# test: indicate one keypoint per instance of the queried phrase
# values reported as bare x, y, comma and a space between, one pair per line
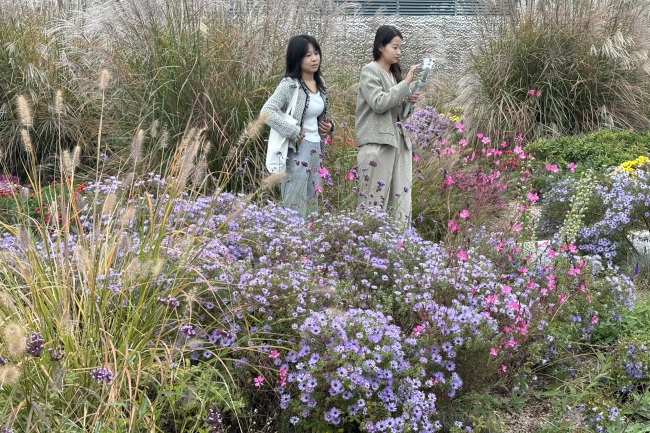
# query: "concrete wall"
448, 39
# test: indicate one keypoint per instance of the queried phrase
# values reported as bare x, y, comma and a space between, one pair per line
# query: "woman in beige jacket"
385, 157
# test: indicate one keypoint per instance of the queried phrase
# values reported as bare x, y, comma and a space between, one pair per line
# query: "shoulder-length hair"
384, 35
296, 50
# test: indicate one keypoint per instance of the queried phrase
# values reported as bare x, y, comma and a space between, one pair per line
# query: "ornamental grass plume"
9, 375
27, 141
15, 339
104, 78
58, 102
24, 111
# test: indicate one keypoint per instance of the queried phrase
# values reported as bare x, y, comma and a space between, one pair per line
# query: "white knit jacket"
280, 100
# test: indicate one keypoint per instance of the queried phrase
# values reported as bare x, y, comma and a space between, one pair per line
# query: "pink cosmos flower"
572, 166
453, 226
462, 255
462, 142
531, 92
464, 214
485, 140
594, 320
532, 196
505, 290
448, 181
418, 330
479, 135
274, 354
460, 127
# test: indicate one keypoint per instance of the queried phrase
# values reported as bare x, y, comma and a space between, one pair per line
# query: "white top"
310, 124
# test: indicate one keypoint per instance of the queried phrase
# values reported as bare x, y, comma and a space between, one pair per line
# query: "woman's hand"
414, 97
409, 75
300, 136
325, 126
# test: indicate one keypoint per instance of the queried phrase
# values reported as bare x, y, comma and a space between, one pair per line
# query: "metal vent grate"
421, 7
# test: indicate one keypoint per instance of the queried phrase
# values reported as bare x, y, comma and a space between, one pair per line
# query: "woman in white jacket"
302, 180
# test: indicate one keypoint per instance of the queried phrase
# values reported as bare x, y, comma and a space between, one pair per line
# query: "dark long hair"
296, 50
384, 35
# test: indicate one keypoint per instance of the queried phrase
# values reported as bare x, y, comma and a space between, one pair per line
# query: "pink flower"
516, 227
514, 305
562, 298
594, 320
416, 158
448, 151
518, 150
538, 93
258, 381
464, 214
574, 271
462, 142
493, 351
460, 127
485, 140
505, 290
318, 188
572, 166
519, 137
531, 92
462, 255
479, 135
323, 172
418, 330
443, 141
448, 181
503, 368
274, 354
522, 207
552, 168
532, 196
453, 226
551, 253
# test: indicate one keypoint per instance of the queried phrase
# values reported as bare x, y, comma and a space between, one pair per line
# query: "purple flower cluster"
426, 125
357, 362
102, 375
626, 201
597, 420
35, 344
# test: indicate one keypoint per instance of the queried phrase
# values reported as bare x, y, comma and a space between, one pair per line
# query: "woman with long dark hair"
302, 181
385, 157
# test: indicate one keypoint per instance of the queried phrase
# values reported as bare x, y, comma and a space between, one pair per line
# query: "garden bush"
560, 68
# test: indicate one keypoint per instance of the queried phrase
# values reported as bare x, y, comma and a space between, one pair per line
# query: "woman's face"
391, 52
311, 62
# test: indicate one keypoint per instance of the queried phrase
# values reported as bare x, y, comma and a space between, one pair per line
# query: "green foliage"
595, 150
561, 67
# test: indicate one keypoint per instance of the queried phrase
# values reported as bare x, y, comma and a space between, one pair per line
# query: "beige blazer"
379, 103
